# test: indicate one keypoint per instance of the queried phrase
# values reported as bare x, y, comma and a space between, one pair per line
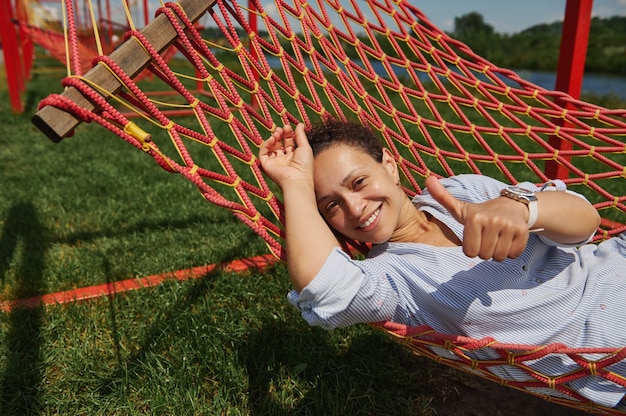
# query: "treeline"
537, 48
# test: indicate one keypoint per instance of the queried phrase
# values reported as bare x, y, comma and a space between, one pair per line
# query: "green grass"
224, 344
92, 210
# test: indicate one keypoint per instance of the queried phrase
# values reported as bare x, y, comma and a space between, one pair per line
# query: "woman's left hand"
496, 229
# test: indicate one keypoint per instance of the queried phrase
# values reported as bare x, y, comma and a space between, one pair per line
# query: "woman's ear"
389, 162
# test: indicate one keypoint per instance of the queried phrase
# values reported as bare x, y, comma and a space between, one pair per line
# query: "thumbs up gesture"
496, 229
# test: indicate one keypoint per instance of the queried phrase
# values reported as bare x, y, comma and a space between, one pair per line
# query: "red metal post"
10, 50
146, 13
252, 18
571, 66
27, 47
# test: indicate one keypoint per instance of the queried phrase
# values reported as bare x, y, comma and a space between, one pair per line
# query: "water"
592, 83
597, 84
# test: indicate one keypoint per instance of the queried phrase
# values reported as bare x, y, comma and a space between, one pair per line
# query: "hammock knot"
510, 358
593, 369
254, 219
596, 116
592, 131
529, 109
586, 179
268, 197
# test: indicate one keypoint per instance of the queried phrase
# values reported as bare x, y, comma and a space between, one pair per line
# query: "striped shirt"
550, 293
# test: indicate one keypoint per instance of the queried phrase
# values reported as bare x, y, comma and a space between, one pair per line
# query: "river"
592, 83
598, 84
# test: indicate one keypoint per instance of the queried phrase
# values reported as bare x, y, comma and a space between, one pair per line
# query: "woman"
461, 257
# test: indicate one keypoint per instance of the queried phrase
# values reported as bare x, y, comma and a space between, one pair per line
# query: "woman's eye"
359, 182
331, 206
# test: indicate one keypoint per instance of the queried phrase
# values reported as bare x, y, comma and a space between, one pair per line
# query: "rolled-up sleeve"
344, 293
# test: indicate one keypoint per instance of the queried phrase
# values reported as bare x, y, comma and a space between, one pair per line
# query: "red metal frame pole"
571, 66
252, 19
10, 50
27, 47
146, 13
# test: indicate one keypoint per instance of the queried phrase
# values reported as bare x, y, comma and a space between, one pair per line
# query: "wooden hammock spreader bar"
130, 56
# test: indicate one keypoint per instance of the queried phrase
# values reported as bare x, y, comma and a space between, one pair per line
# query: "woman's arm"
287, 158
497, 228
565, 218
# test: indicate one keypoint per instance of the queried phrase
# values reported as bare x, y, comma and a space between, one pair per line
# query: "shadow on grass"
20, 380
367, 373
229, 350
131, 368
138, 227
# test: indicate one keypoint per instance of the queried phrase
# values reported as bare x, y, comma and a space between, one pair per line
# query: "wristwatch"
527, 198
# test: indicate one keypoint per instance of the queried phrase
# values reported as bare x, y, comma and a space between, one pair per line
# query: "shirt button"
539, 280
525, 268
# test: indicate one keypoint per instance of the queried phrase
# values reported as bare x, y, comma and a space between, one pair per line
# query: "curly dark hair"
334, 132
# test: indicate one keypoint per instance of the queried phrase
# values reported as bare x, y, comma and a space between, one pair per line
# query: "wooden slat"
130, 56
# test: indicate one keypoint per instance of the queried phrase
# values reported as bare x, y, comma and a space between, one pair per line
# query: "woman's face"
358, 196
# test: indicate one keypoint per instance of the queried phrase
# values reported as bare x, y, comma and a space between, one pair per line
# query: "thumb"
300, 136
441, 195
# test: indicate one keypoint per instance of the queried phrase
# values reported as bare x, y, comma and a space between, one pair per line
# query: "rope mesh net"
440, 108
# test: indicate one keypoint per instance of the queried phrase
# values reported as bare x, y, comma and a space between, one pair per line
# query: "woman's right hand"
286, 156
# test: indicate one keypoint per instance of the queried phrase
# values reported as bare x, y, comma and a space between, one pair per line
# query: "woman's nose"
355, 206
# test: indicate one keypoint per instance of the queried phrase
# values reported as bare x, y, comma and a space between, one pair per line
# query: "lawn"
92, 210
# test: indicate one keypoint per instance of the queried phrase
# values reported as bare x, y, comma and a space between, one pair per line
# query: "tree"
480, 36
472, 24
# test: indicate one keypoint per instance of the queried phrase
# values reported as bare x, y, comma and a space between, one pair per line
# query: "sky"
506, 16
510, 16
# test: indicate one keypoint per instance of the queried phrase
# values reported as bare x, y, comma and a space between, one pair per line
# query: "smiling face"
357, 195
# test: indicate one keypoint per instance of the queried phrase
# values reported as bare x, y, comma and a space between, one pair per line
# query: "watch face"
521, 191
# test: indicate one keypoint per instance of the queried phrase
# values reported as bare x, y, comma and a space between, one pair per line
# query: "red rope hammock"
439, 107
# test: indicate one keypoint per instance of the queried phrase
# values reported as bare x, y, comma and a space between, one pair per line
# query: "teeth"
370, 219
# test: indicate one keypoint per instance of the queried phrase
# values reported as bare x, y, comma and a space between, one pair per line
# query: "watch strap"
533, 213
